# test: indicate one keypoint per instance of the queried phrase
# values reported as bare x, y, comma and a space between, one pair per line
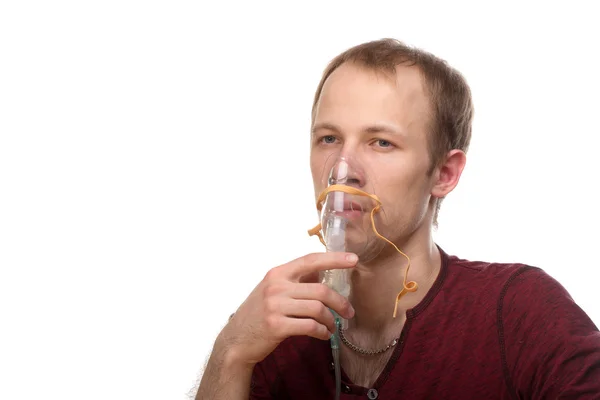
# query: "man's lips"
352, 206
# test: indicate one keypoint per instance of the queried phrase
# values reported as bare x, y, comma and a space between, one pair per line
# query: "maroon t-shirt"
484, 331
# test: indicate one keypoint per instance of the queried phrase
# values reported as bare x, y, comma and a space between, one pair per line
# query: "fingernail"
352, 258
351, 312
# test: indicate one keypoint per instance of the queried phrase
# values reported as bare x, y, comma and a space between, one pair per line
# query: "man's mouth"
352, 206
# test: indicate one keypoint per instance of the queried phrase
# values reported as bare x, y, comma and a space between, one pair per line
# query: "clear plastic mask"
348, 211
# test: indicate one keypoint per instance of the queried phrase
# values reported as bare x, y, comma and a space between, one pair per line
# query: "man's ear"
448, 174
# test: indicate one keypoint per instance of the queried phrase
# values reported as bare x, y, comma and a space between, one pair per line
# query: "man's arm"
224, 378
287, 302
551, 347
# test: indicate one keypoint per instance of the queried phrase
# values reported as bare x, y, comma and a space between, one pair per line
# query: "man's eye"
383, 143
328, 139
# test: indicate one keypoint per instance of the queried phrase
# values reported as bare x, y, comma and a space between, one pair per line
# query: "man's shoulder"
499, 273
504, 280
494, 280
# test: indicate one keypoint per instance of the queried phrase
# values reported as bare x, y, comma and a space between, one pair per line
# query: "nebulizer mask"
348, 211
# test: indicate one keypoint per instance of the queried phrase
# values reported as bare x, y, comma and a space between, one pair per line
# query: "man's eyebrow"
327, 126
375, 128
385, 128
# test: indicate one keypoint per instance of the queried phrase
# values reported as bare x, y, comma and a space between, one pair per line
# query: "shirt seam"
501, 334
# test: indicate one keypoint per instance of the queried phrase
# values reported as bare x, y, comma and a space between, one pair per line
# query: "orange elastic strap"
411, 286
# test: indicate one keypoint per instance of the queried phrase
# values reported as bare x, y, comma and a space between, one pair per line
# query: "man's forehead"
406, 78
400, 92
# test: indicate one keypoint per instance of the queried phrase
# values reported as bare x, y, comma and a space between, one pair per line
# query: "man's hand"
289, 301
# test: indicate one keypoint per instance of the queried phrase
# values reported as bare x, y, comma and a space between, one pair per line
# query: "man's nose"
346, 171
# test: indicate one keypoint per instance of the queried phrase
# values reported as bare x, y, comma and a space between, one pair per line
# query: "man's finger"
329, 297
308, 309
315, 262
304, 327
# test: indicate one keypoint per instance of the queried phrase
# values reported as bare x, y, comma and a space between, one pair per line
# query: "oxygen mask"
348, 209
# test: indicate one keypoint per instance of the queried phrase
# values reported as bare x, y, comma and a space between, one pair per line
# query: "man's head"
407, 115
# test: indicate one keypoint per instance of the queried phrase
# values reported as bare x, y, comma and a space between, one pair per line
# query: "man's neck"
376, 285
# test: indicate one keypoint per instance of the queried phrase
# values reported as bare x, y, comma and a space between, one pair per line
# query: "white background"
154, 166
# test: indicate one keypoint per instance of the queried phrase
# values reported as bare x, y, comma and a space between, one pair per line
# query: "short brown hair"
449, 93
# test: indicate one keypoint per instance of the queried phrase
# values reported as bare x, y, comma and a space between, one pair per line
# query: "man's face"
380, 122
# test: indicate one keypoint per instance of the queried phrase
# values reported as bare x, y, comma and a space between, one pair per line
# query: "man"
471, 330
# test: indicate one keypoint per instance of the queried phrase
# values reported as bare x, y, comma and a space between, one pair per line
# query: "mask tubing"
335, 350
